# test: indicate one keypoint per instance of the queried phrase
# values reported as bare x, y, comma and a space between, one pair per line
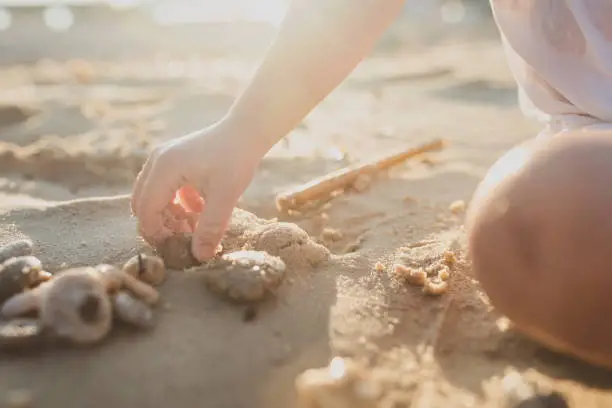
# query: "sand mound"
283, 239
75, 161
289, 242
246, 231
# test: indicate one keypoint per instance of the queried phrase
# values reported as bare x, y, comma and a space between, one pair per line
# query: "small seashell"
245, 275
20, 334
449, 258
457, 207
115, 279
21, 247
74, 306
444, 274
435, 287
132, 310
18, 274
148, 268
416, 277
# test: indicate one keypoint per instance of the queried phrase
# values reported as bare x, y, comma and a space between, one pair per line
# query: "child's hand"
194, 183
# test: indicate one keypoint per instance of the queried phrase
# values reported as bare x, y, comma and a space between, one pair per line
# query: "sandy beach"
76, 127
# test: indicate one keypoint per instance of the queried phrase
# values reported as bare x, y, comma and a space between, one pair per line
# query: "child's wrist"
250, 131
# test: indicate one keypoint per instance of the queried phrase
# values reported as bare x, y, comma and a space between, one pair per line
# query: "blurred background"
31, 29
87, 87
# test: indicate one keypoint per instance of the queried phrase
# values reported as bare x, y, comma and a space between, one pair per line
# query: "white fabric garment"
560, 52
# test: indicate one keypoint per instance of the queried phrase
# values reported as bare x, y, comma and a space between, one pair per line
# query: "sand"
71, 144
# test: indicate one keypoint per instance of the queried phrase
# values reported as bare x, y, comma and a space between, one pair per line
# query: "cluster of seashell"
433, 279
77, 305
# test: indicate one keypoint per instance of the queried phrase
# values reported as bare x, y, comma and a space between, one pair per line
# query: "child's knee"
539, 228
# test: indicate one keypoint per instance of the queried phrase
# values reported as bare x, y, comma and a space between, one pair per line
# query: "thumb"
212, 224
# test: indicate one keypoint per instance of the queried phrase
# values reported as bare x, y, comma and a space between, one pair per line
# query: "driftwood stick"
324, 186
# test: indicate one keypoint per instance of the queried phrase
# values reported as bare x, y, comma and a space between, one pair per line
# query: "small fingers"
212, 223
157, 192
139, 183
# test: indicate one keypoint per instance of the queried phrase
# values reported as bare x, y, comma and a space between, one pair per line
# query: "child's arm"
320, 42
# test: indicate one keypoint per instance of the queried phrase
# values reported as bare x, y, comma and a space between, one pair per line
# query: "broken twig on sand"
324, 186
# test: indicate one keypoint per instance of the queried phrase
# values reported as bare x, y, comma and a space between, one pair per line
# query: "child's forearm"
320, 42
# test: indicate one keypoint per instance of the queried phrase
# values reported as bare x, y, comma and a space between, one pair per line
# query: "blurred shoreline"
106, 33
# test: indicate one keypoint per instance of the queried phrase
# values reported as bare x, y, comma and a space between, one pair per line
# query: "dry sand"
73, 137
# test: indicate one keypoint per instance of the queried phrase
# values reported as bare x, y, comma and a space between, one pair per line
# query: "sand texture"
72, 138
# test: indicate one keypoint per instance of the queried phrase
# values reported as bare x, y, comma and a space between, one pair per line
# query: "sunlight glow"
6, 19
58, 18
337, 368
123, 4
181, 12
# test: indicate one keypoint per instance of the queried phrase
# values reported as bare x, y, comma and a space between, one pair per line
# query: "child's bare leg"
540, 240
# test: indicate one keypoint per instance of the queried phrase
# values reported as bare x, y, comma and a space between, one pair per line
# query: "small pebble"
457, 207
176, 252
18, 274
379, 267
147, 268
20, 333
132, 310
